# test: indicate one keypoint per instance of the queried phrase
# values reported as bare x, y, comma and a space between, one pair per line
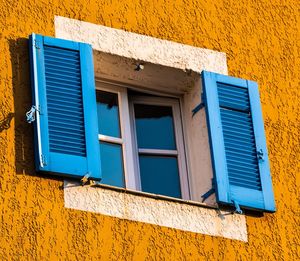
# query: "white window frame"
179, 152
125, 128
128, 135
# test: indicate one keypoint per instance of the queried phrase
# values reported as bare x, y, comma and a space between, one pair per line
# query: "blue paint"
108, 114
261, 147
236, 135
60, 43
112, 164
65, 101
197, 108
216, 137
154, 127
73, 137
225, 79
90, 111
40, 101
160, 175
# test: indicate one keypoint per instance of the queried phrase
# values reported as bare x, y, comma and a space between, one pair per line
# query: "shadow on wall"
5, 123
24, 145
22, 101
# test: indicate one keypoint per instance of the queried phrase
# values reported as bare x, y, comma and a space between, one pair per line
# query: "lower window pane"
160, 175
112, 164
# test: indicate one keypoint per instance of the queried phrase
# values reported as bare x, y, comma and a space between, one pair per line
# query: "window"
138, 140
110, 138
146, 130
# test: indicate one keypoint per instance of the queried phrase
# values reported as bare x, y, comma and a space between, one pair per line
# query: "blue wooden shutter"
238, 144
66, 130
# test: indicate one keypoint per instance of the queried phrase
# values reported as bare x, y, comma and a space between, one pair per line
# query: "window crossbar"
158, 152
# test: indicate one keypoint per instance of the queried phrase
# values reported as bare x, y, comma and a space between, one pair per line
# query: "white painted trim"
140, 47
135, 147
158, 152
110, 139
126, 139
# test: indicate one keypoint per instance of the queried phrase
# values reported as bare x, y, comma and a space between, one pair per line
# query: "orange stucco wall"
262, 42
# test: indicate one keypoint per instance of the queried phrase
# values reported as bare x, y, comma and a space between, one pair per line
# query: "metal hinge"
31, 114
199, 106
260, 155
43, 160
37, 44
210, 192
237, 207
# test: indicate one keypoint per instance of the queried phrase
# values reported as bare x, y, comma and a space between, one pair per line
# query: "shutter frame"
261, 144
60, 163
227, 193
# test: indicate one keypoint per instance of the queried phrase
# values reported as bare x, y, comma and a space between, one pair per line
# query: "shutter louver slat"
241, 141
70, 105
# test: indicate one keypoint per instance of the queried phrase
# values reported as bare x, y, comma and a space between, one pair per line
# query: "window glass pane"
108, 113
154, 127
160, 175
112, 164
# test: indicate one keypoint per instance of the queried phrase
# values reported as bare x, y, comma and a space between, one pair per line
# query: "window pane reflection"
112, 164
108, 114
154, 127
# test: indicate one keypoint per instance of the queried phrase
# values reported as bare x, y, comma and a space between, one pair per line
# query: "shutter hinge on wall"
260, 155
199, 106
37, 44
43, 160
31, 114
209, 193
237, 207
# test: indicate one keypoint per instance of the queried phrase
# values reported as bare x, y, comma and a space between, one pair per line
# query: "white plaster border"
141, 47
160, 212
182, 216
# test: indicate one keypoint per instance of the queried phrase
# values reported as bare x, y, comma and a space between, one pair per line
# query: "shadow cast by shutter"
24, 142
5, 123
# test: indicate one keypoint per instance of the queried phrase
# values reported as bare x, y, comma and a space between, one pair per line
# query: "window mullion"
158, 152
111, 139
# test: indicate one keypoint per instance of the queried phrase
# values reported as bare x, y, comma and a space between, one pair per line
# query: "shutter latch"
237, 207
30, 115
199, 106
260, 154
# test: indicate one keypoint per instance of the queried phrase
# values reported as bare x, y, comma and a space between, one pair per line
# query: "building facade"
54, 217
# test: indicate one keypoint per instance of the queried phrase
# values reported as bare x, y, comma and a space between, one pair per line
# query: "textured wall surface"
172, 60
179, 215
262, 43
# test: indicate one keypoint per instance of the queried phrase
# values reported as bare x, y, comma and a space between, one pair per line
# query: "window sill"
155, 209
154, 196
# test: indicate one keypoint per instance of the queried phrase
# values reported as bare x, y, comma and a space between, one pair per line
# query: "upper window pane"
154, 127
108, 114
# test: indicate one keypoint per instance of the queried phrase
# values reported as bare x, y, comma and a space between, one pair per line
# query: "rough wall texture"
262, 42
